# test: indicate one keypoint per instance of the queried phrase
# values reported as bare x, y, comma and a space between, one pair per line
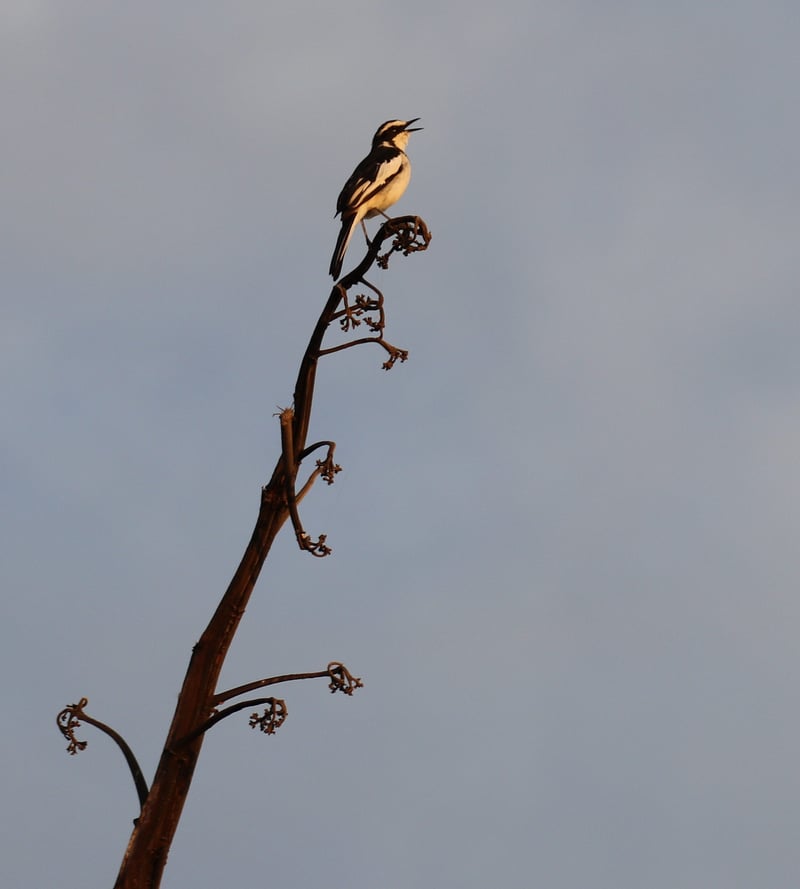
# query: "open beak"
409, 129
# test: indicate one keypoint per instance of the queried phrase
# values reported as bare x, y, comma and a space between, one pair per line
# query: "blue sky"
565, 535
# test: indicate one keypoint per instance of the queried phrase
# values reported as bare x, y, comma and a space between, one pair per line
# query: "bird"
377, 182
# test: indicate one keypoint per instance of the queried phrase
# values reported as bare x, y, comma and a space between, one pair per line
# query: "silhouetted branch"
275, 713
341, 679
409, 234
70, 718
315, 547
395, 354
352, 316
145, 857
325, 468
272, 718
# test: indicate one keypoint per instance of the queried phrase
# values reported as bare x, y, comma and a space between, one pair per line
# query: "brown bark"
146, 854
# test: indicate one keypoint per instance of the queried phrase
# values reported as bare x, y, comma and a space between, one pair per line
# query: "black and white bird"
377, 183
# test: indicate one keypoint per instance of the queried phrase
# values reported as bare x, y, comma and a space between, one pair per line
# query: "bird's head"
395, 133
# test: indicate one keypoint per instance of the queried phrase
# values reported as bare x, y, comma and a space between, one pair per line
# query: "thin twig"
276, 703
341, 679
262, 683
70, 718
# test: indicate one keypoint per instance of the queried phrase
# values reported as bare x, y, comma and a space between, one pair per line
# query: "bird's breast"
392, 190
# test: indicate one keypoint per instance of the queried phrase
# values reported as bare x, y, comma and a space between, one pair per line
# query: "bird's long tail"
349, 224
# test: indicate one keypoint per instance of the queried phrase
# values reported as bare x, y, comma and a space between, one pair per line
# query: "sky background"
566, 531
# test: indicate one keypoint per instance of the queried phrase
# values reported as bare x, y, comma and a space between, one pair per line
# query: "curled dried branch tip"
71, 717
395, 355
316, 547
410, 236
68, 720
350, 317
328, 469
342, 679
272, 718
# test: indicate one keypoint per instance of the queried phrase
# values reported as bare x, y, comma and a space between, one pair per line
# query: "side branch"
263, 683
395, 354
341, 679
315, 547
274, 717
70, 718
410, 234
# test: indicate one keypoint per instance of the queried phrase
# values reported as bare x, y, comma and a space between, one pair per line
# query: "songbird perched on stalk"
377, 182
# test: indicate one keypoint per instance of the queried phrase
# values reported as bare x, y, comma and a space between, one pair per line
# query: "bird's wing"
369, 177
